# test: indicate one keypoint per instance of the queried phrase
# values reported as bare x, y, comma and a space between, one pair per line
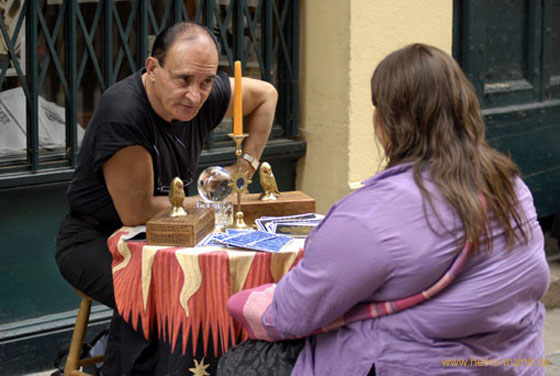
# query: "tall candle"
237, 101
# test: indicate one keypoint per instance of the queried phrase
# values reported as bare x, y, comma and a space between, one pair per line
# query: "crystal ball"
214, 184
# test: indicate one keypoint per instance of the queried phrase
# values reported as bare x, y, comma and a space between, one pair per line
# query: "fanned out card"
263, 221
274, 244
233, 231
297, 226
258, 241
213, 239
295, 229
216, 238
240, 240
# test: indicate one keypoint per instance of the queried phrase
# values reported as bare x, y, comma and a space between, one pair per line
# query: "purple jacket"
376, 245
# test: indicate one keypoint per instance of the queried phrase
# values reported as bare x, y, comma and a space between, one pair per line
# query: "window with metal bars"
58, 56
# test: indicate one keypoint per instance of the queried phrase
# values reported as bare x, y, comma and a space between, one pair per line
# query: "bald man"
147, 129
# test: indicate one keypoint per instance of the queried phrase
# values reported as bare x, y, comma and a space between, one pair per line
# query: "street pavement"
551, 333
551, 328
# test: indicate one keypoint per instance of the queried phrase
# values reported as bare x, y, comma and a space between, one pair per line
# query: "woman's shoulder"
521, 189
391, 185
525, 199
381, 204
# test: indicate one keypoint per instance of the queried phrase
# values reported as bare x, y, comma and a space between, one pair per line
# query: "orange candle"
237, 101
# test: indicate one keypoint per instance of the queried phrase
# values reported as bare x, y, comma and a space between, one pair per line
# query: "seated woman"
397, 236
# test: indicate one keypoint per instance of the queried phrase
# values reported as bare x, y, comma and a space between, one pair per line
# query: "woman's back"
489, 312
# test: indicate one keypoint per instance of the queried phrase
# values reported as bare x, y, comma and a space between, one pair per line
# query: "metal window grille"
60, 55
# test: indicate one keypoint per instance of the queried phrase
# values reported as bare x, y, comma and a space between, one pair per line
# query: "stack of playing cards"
254, 240
297, 226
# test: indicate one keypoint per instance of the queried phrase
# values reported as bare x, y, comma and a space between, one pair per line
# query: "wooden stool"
73, 361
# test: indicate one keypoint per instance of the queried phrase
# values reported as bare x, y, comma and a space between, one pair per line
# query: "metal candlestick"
240, 180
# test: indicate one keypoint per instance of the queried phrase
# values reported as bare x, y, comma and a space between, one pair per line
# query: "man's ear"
151, 64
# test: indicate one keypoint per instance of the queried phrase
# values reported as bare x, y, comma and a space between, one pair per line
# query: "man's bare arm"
130, 180
259, 104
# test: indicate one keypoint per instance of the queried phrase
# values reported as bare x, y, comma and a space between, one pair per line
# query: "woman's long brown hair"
429, 115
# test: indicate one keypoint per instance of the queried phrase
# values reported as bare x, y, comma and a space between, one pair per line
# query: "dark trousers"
263, 358
84, 260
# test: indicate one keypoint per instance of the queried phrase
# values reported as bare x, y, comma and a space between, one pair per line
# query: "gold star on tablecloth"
199, 368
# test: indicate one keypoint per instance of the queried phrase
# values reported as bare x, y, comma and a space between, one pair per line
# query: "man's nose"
193, 94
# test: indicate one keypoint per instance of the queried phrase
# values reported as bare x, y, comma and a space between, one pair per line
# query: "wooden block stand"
289, 203
184, 231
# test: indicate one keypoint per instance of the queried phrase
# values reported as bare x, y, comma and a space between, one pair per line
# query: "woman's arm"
343, 264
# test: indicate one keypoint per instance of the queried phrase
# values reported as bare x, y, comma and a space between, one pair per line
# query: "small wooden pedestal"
184, 231
289, 203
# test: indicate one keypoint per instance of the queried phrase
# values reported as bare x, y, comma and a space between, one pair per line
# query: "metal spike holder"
240, 181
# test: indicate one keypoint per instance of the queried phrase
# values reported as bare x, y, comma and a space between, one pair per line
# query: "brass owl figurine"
268, 183
176, 198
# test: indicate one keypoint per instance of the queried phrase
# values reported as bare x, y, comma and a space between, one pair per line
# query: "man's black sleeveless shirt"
124, 117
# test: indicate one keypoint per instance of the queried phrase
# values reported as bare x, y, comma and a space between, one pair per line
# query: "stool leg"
73, 359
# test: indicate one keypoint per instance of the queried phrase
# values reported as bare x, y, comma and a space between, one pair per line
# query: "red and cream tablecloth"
182, 292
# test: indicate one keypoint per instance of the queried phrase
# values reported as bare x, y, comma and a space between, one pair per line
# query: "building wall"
324, 99
341, 43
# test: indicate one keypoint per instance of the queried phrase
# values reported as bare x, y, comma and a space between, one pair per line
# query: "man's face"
183, 84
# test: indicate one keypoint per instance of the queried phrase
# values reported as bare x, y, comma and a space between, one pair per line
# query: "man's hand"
245, 167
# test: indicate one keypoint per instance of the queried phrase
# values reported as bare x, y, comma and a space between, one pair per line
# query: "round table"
182, 292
